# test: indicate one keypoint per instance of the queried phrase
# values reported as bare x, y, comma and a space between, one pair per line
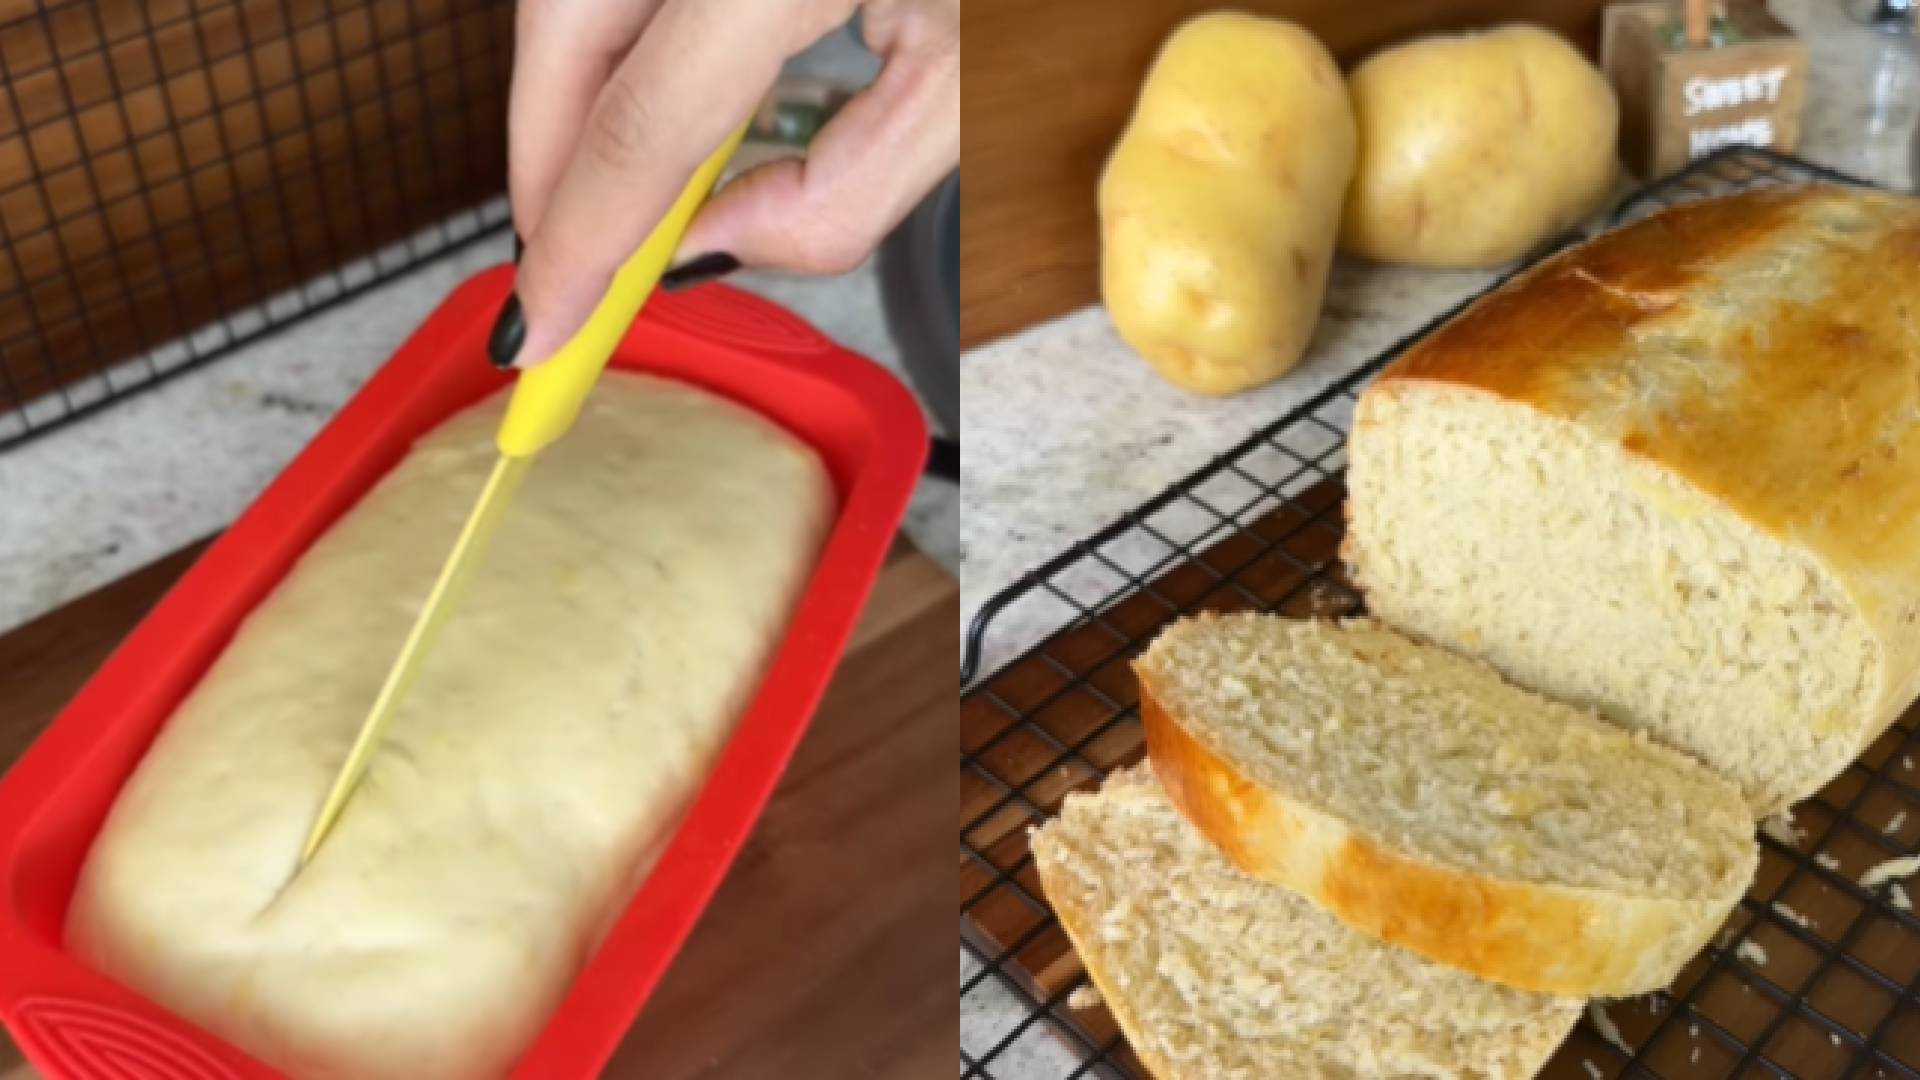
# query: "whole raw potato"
1221, 202
1473, 149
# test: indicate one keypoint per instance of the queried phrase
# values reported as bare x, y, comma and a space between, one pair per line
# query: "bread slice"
1674, 474
1422, 800
1214, 975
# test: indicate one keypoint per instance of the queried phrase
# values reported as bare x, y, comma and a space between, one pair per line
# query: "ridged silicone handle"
548, 396
738, 319
85, 1040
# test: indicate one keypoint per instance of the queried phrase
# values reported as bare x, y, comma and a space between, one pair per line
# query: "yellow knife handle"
549, 395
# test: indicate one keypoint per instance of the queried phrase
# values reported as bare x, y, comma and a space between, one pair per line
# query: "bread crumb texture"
1623, 481
1905, 866
1781, 829
1424, 752
1781, 909
1217, 976
1608, 1030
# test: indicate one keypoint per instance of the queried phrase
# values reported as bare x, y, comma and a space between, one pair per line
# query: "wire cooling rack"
178, 177
1812, 977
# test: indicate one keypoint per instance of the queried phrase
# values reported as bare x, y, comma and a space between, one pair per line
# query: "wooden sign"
1745, 86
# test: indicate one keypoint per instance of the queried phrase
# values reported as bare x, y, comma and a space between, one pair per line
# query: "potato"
1221, 202
1474, 149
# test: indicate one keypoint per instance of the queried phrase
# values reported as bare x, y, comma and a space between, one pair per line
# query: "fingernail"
509, 333
699, 271
943, 459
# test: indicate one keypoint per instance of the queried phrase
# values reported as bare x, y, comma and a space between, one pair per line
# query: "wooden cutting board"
826, 950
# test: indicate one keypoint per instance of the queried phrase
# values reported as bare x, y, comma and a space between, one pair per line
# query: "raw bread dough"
567, 717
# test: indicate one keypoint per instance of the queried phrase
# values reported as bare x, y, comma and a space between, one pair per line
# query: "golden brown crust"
1764, 346
1231, 809
1559, 940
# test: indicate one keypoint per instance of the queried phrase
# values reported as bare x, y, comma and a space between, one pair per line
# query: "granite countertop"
1065, 429
1114, 434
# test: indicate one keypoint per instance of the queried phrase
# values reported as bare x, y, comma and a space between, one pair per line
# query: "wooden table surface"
827, 950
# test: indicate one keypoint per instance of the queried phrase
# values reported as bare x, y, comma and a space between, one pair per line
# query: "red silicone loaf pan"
75, 1023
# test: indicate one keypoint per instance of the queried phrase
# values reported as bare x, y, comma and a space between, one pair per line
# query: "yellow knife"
545, 402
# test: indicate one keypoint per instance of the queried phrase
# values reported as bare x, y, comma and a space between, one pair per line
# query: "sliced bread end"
1517, 926
1212, 973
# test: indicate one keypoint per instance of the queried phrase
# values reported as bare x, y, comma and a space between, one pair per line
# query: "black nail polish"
699, 271
943, 459
509, 333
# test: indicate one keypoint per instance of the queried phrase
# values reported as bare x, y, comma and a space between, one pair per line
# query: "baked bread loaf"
1214, 974
568, 715
1420, 799
1673, 474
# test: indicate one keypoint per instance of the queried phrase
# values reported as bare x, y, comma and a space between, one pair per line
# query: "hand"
615, 102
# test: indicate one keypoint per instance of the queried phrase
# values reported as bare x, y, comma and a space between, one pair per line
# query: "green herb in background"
1720, 35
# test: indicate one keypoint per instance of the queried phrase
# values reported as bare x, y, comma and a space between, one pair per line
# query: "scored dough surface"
556, 734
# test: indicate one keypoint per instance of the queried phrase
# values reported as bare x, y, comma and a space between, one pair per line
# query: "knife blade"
468, 553
546, 400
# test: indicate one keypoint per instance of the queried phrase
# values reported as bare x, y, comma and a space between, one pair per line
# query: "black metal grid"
1258, 527
179, 177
